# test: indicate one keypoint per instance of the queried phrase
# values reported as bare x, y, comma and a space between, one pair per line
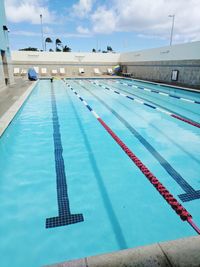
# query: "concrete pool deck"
178, 253
10, 94
11, 100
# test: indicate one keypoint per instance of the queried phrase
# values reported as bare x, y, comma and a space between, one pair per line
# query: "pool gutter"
9, 115
196, 90
178, 253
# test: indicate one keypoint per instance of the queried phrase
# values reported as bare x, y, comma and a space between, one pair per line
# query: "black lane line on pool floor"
156, 105
190, 193
64, 215
173, 141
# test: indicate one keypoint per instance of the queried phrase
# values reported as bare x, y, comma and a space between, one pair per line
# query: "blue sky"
125, 25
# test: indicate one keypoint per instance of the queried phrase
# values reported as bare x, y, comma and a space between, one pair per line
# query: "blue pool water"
54, 139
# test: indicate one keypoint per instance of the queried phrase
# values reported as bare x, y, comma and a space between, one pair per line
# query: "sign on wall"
174, 75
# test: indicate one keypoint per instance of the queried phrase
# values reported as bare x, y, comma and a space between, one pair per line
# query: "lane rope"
193, 123
159, 92
189, 192
170, 199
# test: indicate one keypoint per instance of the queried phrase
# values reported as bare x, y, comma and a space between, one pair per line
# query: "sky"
125, 25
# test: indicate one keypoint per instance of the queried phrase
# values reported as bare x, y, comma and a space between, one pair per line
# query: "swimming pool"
69, 190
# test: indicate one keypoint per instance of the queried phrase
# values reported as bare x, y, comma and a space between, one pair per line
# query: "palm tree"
66, 49
58, 44
47, 40
109, 49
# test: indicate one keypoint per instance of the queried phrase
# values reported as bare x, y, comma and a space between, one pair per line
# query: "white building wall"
152, 64
188, 51
64, 57
71, 61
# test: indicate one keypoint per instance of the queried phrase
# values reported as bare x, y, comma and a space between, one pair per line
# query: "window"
174, 75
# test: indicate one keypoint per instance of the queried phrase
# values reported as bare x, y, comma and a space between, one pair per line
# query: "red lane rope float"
185, 120
171, 200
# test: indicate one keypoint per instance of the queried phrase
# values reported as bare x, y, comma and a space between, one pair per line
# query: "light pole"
42, 34
172, 29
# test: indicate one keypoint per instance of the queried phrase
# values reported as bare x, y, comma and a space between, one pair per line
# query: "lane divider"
159, 92
171, 200
193, 123
189, 192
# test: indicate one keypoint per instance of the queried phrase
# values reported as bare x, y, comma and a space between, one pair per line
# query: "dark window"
174, 75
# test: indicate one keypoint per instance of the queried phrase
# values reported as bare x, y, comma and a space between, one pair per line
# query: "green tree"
29, 49
66, 49
47, 40
109, 49
58, 45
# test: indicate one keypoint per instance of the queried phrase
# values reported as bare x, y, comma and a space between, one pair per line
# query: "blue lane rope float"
171, 200
64, 214
145, 99
159, 92
193, 123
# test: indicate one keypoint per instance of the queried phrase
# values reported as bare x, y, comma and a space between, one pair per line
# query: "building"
6, 70
177, 64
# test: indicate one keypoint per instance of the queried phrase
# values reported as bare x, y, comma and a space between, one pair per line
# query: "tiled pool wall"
189, 71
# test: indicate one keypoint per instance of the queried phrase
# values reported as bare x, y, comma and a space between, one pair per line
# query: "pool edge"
181, 252
9, 115
190, 89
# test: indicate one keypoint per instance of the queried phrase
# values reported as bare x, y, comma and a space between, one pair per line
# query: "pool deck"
179, 253
11, 100
9, 95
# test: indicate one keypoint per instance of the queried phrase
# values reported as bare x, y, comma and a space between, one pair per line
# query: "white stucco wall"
71, 57
188, 51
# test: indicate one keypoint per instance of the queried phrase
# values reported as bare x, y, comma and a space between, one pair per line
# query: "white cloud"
149, 18
47, 30
82, 8
28, 11
52, 35
83, 30
104, 20
25, 33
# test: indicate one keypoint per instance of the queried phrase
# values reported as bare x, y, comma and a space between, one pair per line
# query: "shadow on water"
105, 197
